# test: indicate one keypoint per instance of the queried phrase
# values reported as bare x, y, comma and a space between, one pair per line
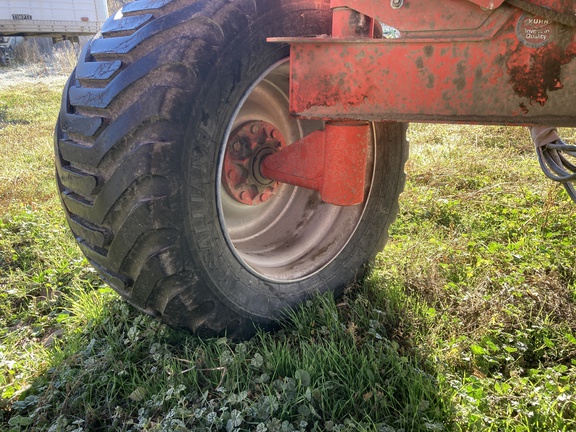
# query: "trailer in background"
60, 19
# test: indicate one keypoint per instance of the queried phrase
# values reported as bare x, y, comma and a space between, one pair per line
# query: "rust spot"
478, 73
420, 63
460, 80
535, 72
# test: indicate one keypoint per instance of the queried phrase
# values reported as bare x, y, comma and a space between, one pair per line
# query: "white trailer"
59, 19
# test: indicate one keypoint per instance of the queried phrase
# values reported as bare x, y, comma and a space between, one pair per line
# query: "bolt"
236, 146
232, 175
254, 129
396, 4
248, 195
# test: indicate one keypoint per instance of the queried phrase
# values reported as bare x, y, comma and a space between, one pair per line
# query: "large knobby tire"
141, 145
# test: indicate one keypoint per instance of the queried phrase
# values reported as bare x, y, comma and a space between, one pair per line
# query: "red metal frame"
422, 15
456, 61
459, 64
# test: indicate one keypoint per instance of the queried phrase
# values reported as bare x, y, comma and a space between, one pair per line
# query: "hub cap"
246, 148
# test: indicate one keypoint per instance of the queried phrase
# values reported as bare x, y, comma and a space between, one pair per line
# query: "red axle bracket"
332, 161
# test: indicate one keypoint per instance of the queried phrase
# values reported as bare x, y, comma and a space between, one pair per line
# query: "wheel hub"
247, 146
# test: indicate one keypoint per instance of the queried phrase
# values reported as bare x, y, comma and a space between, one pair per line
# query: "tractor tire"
143, 159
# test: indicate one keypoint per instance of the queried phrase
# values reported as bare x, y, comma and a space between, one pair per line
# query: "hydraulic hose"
557, 159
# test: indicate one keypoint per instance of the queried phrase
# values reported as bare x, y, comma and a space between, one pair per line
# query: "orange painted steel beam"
513, 68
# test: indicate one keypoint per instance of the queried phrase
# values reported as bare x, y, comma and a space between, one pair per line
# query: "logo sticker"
534, 31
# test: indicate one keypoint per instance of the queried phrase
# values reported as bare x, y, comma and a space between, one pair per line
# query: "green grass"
466, 321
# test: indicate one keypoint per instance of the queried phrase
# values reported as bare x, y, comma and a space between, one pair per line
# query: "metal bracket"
332, 161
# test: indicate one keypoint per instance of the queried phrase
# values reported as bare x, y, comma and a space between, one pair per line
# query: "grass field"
467, 320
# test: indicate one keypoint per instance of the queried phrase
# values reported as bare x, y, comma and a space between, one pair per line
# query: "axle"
332, 161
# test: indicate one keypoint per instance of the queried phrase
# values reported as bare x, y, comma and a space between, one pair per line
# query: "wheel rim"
291, 234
